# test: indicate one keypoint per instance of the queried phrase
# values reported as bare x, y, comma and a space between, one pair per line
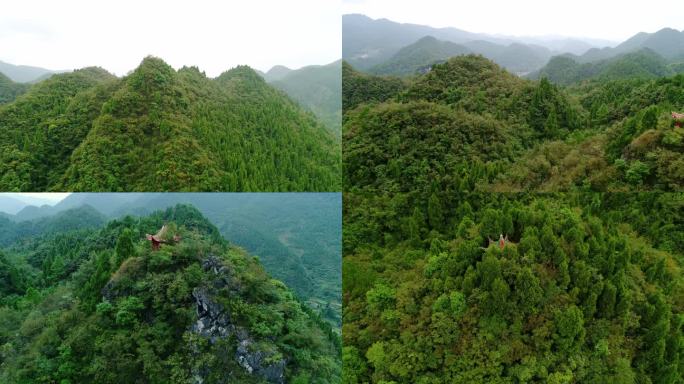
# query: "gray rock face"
214, 322
256, 362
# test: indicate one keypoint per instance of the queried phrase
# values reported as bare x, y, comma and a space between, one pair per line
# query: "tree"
435, 214
569, 324
124, 247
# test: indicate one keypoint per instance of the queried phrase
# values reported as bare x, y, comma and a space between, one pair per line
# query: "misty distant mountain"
667, 42
25, 73
642, 64
317, 88
418, 56
276, 73
10, 204
367, 43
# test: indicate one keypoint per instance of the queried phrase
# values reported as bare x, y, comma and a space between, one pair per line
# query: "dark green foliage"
78, 218
9, 90
161, 129
419, 57
124, 314
358, 88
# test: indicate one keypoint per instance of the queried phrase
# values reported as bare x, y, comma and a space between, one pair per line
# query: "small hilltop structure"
162, 237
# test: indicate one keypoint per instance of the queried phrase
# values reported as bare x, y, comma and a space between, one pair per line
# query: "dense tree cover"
419, 56
9, 90
317, 88
100, 306
641, 64
633, 143
78, 218
469, 124
589, 288
358, 88
297, 236
455, 125
161, 129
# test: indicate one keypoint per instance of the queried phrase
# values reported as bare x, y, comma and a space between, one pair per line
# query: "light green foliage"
161, 129
587, 289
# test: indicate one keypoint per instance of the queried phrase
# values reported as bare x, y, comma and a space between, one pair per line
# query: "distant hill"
667, 42
642, 64
419, 56
9, 90
276, 73
25, 73
317, 88
367, 43
10, 204
72, 219
161, 129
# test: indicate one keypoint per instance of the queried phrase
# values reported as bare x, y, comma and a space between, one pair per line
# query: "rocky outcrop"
214, 322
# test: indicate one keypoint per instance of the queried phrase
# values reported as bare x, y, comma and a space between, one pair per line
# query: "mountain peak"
241, 72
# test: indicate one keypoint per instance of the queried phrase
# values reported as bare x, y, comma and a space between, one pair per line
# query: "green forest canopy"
98, 305
470, 124
161, 129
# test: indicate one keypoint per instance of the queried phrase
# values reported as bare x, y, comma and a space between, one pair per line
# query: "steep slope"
199, 310
9, 90
418, 57
318, 88
359, 88
161, 129
296, 236
39, 130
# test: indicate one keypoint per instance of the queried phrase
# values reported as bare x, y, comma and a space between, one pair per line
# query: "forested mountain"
25, 73
297, 237
470, 124
358, 88
161, 129
318, 88
368, 44
102, 306
12, 232
635, 65
447, 282
419, 57
9, 90
586, 288
667, 42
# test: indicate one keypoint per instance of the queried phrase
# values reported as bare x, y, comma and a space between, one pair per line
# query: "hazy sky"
214, 35
611, 20
53, 197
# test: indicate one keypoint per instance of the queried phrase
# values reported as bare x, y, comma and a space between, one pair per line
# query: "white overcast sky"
601, 19
53, 197
214, 35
